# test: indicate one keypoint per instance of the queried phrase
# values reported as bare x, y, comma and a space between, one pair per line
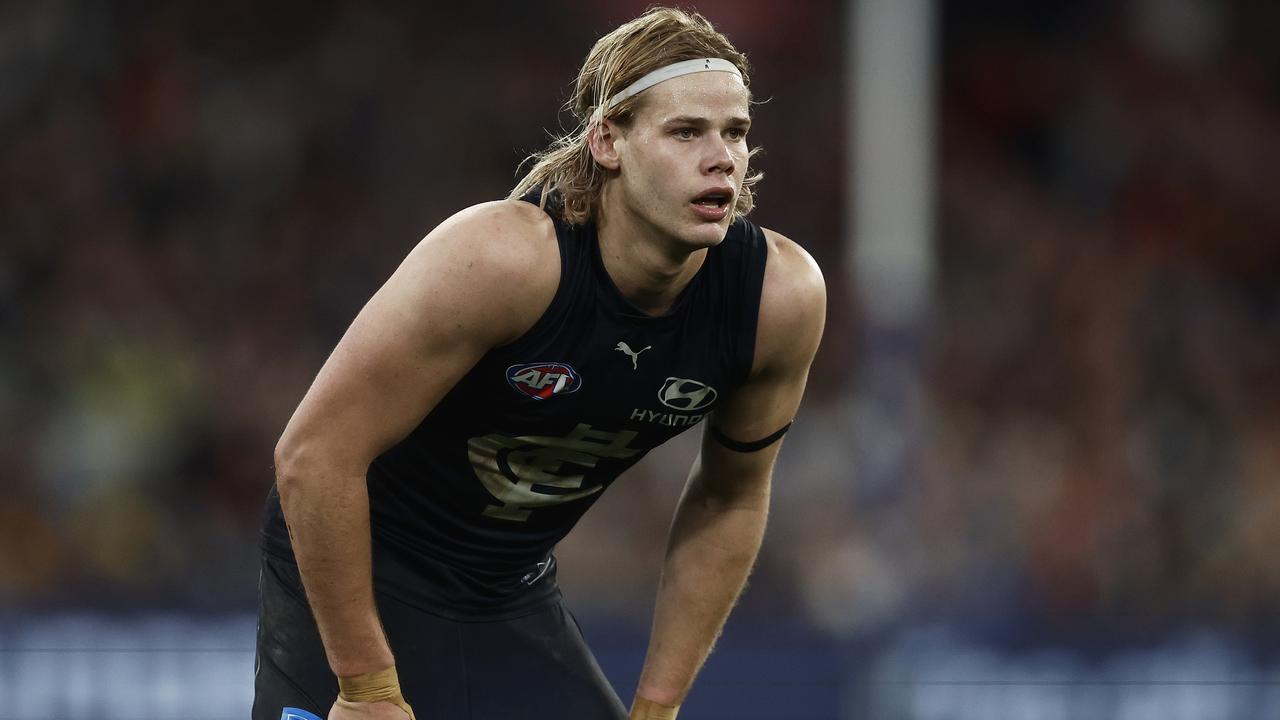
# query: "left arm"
720, 519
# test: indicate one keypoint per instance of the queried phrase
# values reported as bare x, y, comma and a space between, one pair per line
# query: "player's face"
683, 159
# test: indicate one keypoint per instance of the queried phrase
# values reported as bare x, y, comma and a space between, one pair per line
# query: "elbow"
290, 460
308, 463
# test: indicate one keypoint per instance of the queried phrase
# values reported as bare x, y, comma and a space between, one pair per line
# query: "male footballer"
524, 355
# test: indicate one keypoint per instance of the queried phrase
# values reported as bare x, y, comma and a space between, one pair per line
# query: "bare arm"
720, 520
421, 332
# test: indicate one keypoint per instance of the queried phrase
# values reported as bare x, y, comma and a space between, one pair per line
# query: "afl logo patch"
686, 395
543, 380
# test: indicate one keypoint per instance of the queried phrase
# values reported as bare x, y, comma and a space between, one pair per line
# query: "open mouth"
714, 199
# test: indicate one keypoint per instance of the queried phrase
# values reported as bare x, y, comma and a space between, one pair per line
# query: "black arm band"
746, 447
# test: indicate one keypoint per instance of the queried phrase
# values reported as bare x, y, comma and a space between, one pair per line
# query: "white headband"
673, 70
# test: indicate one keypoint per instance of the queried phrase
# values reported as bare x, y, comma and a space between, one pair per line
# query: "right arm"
417, 336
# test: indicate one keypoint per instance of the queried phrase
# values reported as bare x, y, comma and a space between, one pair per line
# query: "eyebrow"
701, 122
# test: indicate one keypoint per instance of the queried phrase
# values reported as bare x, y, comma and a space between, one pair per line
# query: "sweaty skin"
417, 336
436, 316
689, 135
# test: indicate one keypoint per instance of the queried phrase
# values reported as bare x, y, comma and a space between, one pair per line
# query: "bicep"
411, 343
792, 316
753, 412
384, 375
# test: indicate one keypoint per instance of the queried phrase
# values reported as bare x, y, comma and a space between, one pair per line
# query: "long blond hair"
659, 37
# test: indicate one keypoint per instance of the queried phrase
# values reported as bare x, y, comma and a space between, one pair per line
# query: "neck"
648, 267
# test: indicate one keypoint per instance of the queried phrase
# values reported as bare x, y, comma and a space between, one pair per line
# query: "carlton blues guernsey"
466, 510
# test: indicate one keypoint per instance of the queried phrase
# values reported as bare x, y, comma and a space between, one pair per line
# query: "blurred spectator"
196, 199
194, 202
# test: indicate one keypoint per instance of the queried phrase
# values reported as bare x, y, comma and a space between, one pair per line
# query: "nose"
718, 158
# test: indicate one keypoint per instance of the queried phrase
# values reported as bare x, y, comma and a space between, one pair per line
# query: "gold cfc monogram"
527, 472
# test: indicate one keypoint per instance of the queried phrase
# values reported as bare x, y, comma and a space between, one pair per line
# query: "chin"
706, 234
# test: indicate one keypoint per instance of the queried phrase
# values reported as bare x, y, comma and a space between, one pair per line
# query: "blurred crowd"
1106, 381
196, 199
1101, 393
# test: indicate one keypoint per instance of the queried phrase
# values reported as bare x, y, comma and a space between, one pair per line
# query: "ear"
601, 139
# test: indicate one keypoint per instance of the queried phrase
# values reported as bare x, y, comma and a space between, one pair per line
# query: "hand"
346, 710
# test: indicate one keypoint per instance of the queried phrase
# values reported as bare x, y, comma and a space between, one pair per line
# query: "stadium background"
1068, 510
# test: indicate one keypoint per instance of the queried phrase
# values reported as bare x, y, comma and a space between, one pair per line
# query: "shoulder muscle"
480, 279
491, 270
792, 309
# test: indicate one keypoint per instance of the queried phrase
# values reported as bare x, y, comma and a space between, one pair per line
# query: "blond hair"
659, 37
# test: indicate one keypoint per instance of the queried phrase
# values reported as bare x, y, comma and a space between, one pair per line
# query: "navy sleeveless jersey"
466, 510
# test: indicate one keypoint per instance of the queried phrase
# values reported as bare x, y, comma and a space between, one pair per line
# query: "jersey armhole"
756, 257
562, 285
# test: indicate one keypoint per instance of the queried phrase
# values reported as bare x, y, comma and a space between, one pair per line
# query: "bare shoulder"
500, 238
497, 263
792, 306
478, 280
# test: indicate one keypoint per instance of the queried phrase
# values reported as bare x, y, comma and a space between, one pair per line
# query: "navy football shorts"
535, 667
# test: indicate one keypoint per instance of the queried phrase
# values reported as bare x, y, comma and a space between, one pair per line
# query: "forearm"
712, 546
328, 519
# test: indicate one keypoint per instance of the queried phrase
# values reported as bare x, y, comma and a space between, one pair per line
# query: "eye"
737, 133
685, 133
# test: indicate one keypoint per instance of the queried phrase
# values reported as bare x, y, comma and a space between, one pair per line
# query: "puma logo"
635, 356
